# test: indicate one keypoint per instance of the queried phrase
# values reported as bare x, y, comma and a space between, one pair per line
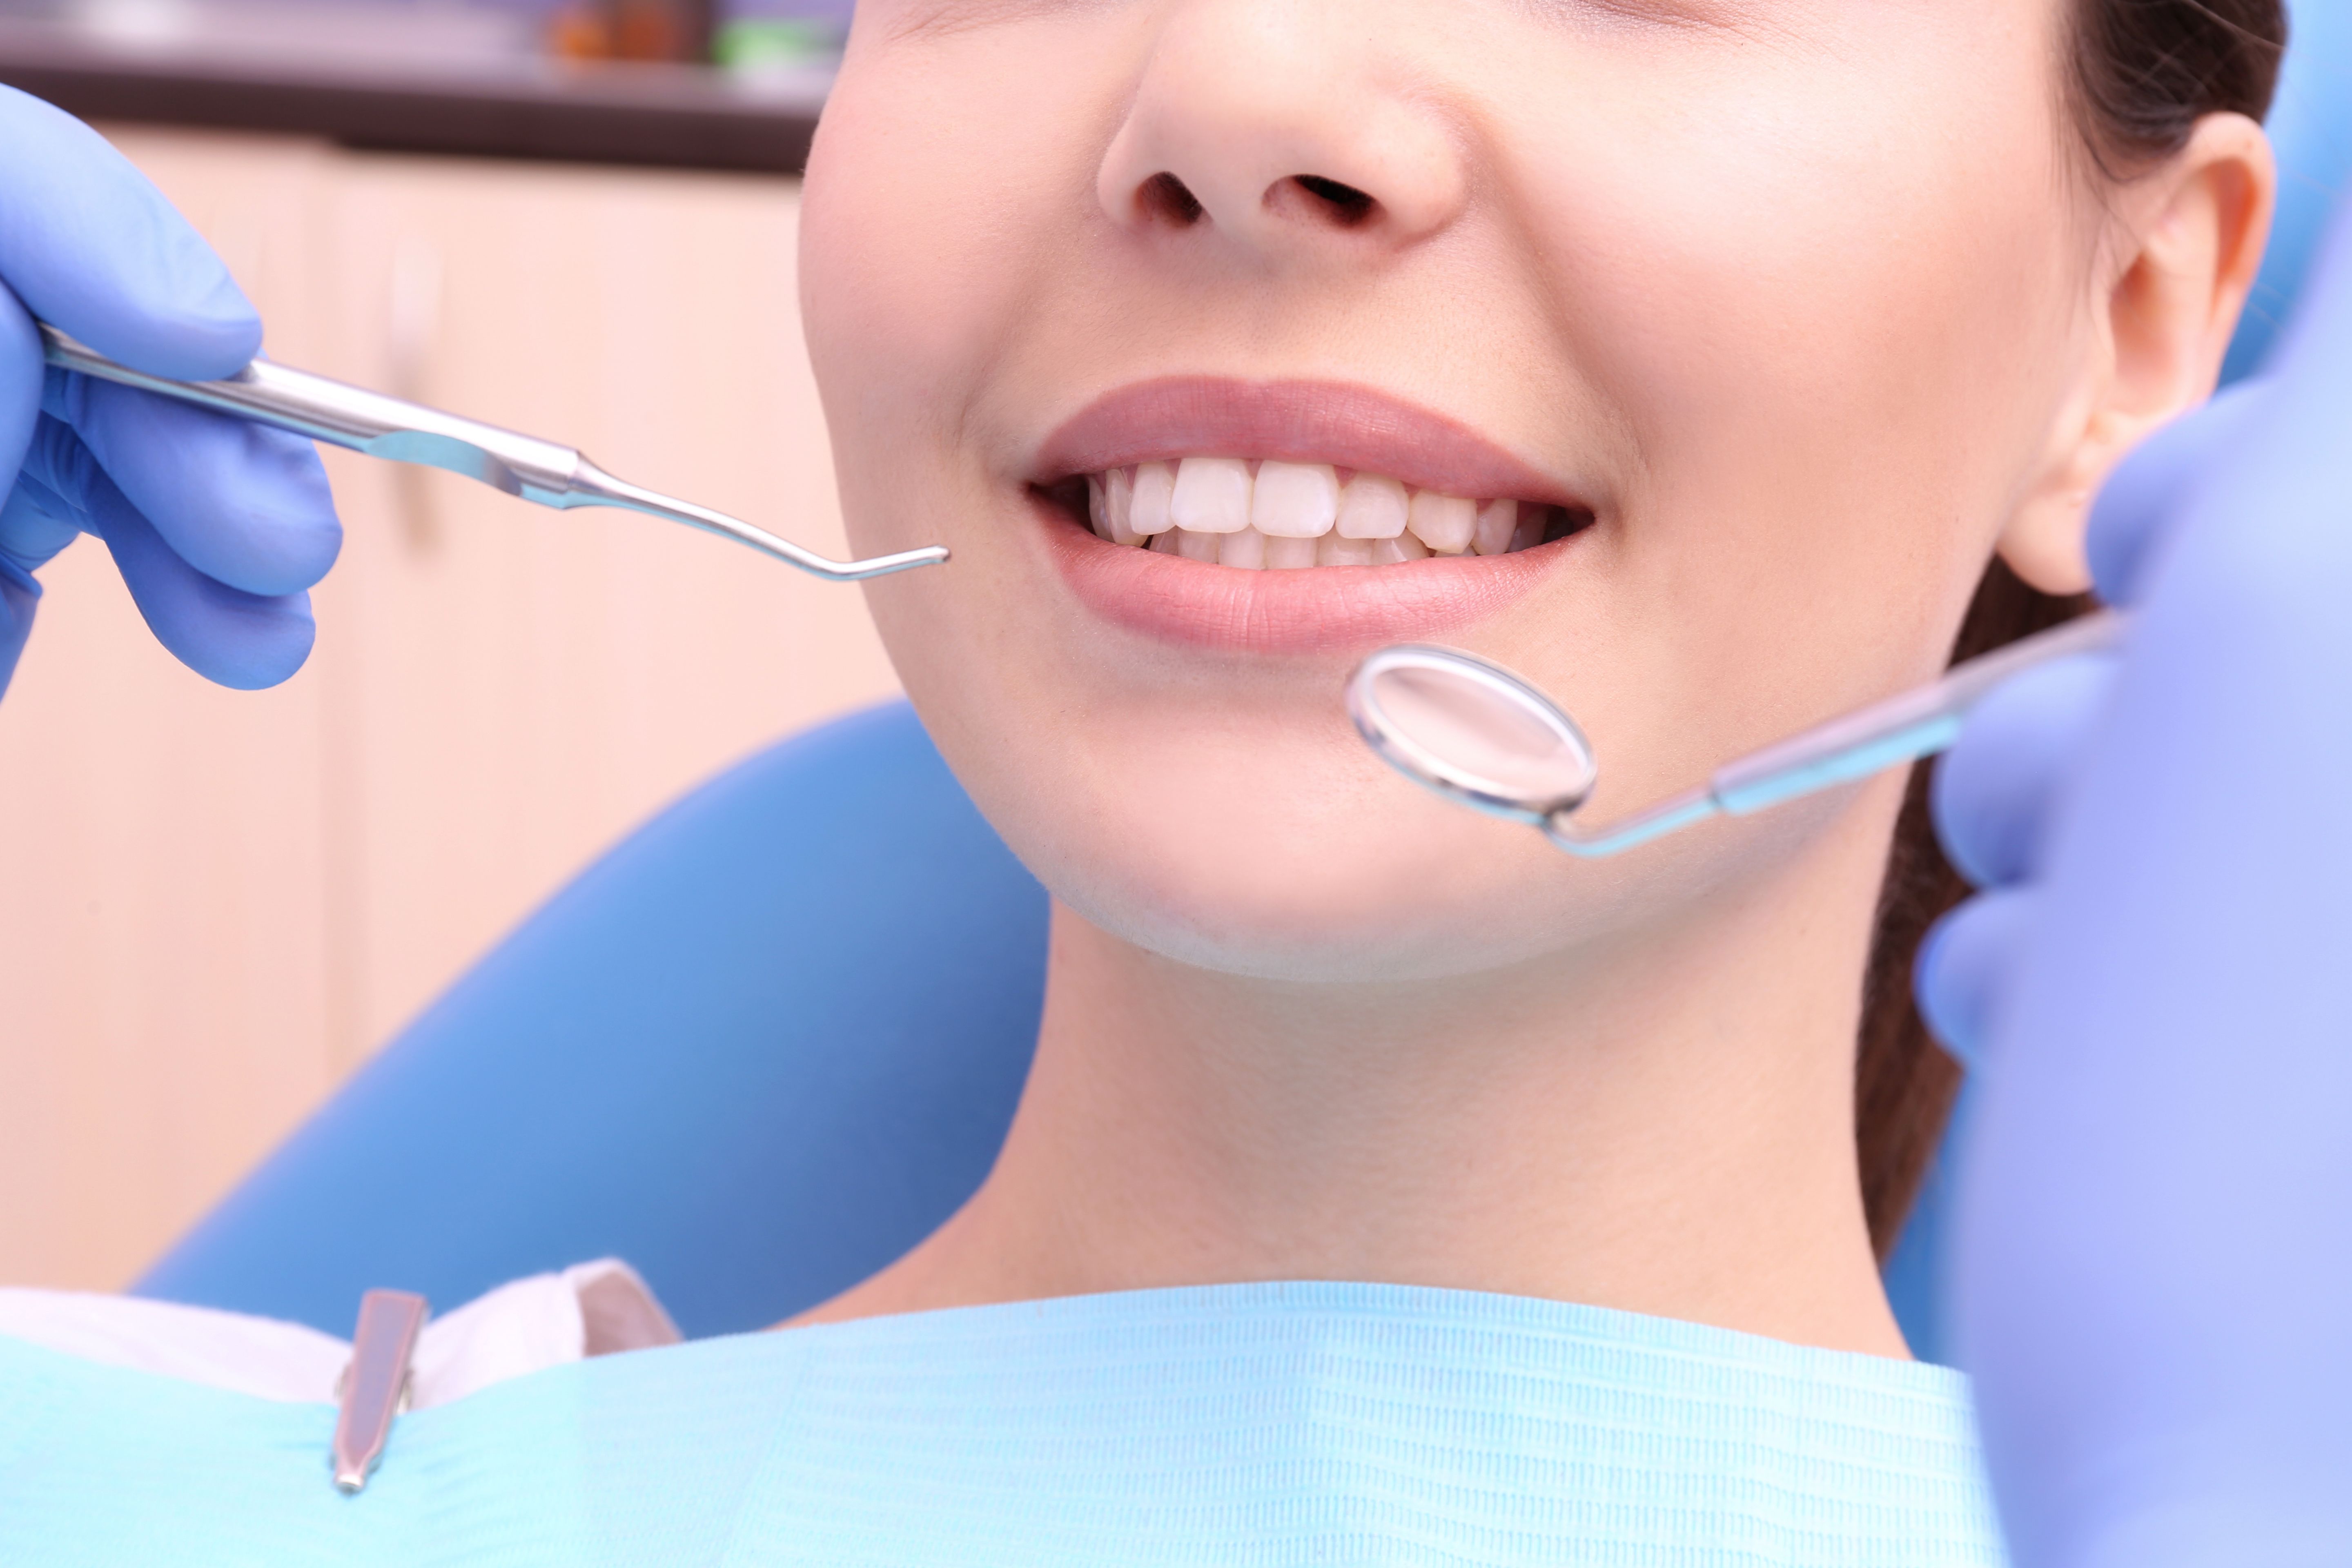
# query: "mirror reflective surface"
1471, 730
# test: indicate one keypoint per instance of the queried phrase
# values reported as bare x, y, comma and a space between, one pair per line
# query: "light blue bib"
1244, 1425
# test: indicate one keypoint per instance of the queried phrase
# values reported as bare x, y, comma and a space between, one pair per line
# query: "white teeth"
1109, 498
1282, 515
1155, 486
1190, 545
1373, 507
1286, 553
1339, 550
1118, 506
1295, 500
1245, 550
1213, 495
1446, 524
1491, 533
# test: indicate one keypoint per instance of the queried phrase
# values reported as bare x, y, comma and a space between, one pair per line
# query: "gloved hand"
2152, 1276
217, 526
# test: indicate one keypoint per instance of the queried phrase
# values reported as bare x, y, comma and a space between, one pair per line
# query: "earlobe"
2190, 237
2043, 543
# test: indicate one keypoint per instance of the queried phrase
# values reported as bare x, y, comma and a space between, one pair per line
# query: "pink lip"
1323, 609
1316, 609
1302, 421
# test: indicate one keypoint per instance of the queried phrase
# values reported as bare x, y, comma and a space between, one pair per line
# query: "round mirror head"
1471, 730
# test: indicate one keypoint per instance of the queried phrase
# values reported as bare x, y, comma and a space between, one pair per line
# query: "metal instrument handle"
375, 1384
540, 471
1902, 729
352, 416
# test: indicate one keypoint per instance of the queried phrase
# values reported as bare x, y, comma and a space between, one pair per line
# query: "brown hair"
2141, 74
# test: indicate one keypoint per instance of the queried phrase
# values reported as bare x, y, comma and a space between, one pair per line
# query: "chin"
1303, 919
1380, 883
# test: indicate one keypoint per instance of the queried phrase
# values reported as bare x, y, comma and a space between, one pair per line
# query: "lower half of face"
1696, 394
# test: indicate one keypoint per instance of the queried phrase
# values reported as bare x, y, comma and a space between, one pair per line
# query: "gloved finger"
90, 246
243, 504
35, 524
20, 385
222, 632
2317, 343
19, 596
239, 640
2157, 482
1992, 791
1964, 966
2151, 486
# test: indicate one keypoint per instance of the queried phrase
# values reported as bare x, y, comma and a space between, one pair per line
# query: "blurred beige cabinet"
214, 904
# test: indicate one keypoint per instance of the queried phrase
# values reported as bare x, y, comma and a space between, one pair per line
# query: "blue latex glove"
2152, 1279
217, 526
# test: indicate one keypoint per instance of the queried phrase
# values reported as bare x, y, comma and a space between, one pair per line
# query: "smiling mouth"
1414, 523
1261, 515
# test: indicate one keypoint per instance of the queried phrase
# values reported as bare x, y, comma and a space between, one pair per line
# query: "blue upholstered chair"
759, 1049
765, 1044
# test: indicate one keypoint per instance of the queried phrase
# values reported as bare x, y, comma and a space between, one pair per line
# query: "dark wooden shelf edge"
614, 122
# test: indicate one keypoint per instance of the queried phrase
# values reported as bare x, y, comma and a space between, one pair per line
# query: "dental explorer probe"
544, 473
1481, 735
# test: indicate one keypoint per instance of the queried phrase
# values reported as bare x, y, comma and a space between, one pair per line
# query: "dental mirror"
1482, 736
1472, 731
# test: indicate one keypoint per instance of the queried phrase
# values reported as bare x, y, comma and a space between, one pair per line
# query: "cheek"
875, 319
1808, 291
1836, 337
929, 236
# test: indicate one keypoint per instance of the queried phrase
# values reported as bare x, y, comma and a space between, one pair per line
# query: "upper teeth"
1240, 514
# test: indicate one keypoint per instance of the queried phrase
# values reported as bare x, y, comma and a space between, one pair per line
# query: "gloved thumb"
2152, 485
2304, 385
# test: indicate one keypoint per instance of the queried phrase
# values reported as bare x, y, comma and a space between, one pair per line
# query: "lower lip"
1305, 610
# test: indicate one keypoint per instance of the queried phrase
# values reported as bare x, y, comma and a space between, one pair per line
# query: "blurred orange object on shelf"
632, 30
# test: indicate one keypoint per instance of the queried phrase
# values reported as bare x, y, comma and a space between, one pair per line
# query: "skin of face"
1813, 306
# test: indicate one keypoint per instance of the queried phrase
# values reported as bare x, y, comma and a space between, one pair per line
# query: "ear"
2186, 241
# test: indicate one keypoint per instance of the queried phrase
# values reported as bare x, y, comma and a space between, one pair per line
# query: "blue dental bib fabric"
1247, 1425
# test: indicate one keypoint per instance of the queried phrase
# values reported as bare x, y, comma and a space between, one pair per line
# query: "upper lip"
1339, 423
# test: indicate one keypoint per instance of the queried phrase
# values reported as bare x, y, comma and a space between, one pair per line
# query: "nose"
1284, 130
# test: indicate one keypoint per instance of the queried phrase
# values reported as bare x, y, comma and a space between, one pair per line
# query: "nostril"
1169, 200
1344, 205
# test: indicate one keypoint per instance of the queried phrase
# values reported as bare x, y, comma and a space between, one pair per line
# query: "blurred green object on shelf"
754, 44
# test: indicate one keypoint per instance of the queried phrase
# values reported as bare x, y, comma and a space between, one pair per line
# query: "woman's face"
1768, 309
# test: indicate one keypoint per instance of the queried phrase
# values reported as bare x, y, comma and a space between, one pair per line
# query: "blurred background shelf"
480, 79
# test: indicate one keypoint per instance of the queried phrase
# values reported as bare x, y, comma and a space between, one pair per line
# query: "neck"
1664, 1125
